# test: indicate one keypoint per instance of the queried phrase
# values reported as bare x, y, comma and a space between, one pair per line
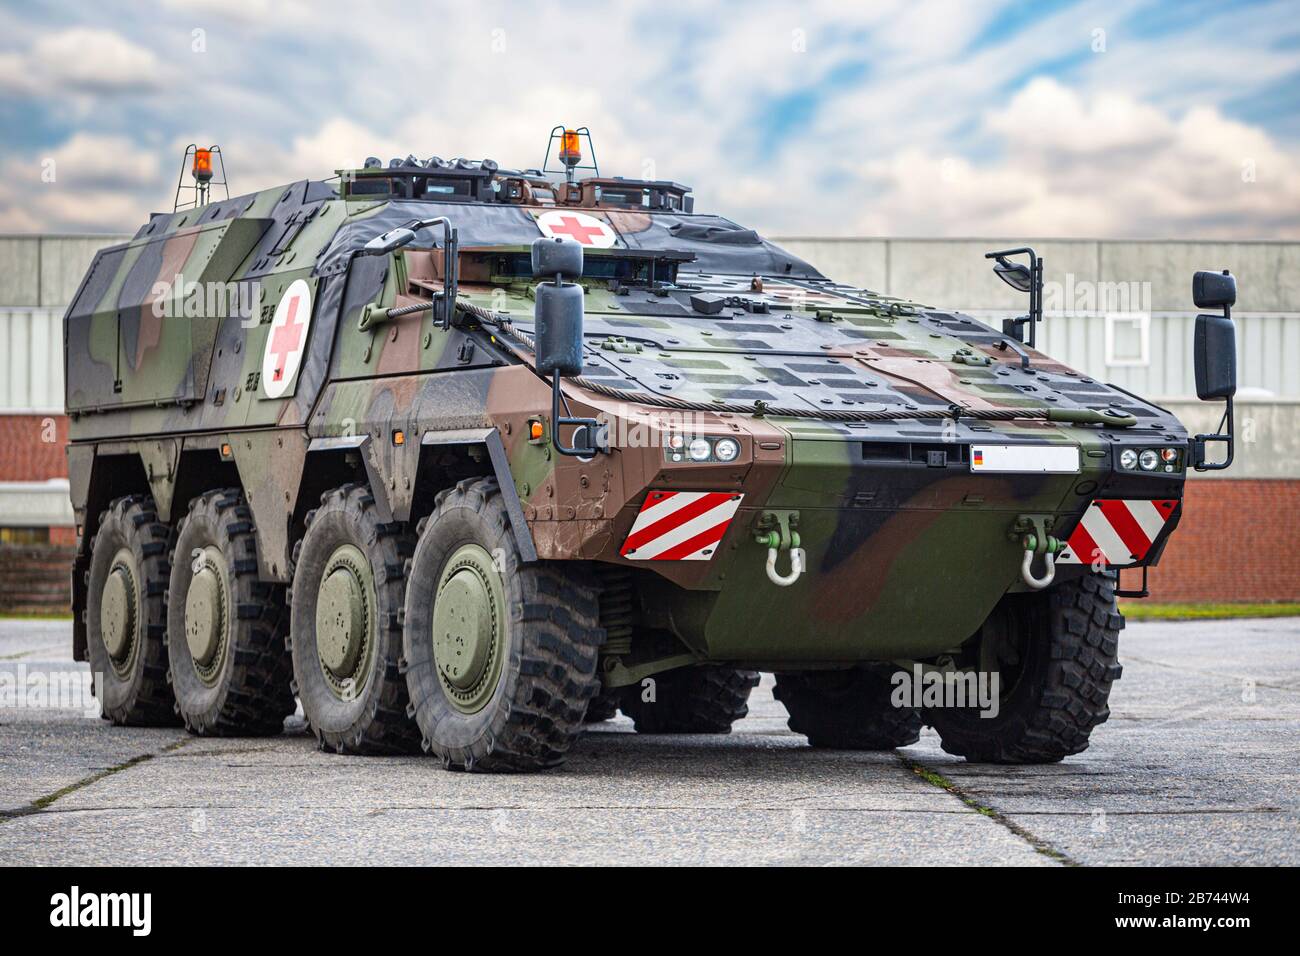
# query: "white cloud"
80, 60
900, 117
1105, 165
90, 183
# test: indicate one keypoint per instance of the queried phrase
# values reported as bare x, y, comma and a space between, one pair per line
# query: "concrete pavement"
1198, 764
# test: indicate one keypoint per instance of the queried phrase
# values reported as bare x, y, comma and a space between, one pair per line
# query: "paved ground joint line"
41, 804
1038, 844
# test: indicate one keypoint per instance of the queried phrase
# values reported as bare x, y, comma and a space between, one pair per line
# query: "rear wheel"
126, 614
1056, 656
705, 699
501, 655
230, 670
349, 582
847, 709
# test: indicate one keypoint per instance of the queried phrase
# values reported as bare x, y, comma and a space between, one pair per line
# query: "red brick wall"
35, 579
1237, 541
25, 455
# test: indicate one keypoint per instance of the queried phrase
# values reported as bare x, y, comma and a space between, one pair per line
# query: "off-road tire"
247, 693
602, 707
550, 638
375, 719
847, 709
703, 699
139, 696
1071, 661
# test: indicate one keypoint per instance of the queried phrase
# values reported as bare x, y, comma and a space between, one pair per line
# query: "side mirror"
558, 311
388, 241
1214, 351
557, 318
1014, 274
1022, 278
1214, 290
1214, 355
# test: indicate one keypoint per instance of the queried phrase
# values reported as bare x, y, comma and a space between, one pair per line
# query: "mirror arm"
450, 264
592, 426
373, 315
1035, 298
1199, 443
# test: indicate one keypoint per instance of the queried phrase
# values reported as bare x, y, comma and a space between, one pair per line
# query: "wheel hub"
206, 607
202, 616
340, 619
467, 629
345, 615
117, 612
463, 629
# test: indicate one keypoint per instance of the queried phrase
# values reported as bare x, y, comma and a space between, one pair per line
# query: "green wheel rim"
469, 629
345, 622
207, 614
119, 612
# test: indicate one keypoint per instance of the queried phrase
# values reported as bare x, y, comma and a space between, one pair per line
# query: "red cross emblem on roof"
578, 226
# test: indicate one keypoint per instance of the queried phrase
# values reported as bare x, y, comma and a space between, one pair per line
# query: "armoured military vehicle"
463, 457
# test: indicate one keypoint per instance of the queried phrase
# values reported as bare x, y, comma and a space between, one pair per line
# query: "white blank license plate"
1054, 459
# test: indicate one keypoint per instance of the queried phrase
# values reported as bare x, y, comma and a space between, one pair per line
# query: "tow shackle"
798, 561
775, 531
1049, 562
1032, 531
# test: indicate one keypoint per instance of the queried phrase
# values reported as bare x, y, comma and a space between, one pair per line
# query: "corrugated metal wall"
39, 273
953, 274
31, 360
1268, 353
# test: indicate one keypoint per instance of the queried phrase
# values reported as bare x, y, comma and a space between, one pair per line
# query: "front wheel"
501, 656
1056, 656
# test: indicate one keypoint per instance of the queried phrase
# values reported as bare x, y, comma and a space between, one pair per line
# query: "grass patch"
37, 616
1145, 611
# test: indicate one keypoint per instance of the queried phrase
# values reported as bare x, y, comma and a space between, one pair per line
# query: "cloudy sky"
1118, 118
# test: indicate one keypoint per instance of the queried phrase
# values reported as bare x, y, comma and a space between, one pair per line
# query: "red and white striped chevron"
680, 525
1118, 531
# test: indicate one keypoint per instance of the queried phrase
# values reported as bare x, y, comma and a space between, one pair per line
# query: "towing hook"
1030, 543
797, 559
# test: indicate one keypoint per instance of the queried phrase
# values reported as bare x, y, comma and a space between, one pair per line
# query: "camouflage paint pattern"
906, 556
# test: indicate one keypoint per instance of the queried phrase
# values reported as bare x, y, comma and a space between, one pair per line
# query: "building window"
1128, 339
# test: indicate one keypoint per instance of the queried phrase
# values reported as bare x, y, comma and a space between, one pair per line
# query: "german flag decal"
680, 525
1117, 532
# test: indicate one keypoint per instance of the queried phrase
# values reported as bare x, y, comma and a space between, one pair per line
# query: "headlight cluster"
1150, 459
700, 450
